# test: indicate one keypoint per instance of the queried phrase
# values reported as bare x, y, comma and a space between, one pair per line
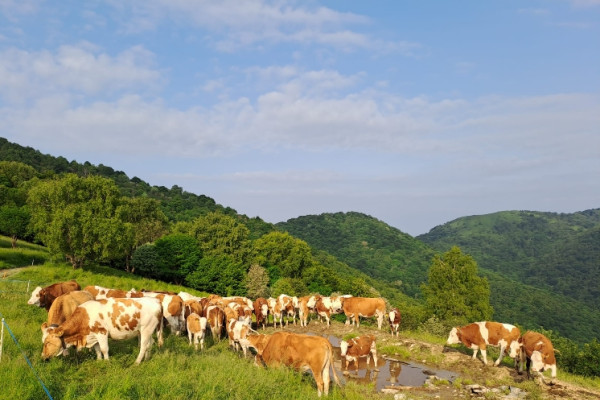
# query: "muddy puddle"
388, 372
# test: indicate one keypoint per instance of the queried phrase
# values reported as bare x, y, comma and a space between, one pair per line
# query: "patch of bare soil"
476, 379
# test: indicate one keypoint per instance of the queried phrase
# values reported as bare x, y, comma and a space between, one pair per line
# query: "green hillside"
367, 244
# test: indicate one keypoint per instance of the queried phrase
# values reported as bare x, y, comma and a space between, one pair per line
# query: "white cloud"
79, 69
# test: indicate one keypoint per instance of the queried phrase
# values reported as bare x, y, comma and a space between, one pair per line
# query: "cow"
196, 329
302, 352
173, 310
276, 311
361, 346
101, 293
537, 350
261, 311
323, 308
479, 335
356, 307
192, 306
305, 305
288, 309
63, 307
94, 322
394, 318
43, 297
237, 331
214, 316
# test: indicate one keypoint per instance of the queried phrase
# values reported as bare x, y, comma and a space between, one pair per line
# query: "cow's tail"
159, 332
331, 362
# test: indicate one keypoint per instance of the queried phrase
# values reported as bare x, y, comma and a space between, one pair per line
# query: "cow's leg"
374, 354
319, 381
484, 354
379, 320
475, 350
502, 348
326, 378
357, 320
103, 344
190, 335
98, 352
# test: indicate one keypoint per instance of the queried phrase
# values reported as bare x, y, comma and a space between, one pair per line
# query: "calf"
63, 307
537, 350
302, 352
44, 297
361, 346
94, 322
196, 329
479, 335
394, 318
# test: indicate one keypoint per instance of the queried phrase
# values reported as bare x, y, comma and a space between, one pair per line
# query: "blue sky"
416, 113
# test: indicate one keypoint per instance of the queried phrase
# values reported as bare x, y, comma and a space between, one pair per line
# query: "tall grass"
175, 371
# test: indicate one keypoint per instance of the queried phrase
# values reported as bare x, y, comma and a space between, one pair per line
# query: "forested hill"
557, 252
522, 290
367, 244
177, 204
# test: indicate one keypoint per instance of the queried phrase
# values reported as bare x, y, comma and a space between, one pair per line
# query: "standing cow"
362, 346
394, 318
302, 352
94, 322
479, 335
45, 296
537, 350
356, 307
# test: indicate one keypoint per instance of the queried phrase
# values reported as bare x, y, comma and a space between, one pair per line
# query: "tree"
145, 220
146, 261
13, 176
220, 234
14, 222
454, 290
179, 255
257, 282
221, 275
284, 252
77, 217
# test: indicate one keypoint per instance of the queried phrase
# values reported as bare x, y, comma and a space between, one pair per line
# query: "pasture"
25, 254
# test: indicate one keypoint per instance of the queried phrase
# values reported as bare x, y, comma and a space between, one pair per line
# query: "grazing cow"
302, 352
394, 317
479, 335
63, 307
356, 307
261, 310
215, 316
93, 322
196, 329
173, 309
191, 306
101, 293
237, 331
537, 350
43, 297
361, 346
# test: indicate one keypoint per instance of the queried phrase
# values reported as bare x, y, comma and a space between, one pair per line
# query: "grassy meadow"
25, 254
175, 371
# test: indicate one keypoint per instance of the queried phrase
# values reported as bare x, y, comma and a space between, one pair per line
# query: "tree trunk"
13, 242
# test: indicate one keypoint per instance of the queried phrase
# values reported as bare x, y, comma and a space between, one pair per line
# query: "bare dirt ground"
475, 378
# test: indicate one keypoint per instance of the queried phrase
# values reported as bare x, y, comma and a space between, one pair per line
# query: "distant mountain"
556, 252
367, 244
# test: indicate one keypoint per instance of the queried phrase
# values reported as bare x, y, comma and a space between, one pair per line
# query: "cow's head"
35, 297
345, 345
514, 349
256, 342
54, 344
453, 336
543, 359
265, 310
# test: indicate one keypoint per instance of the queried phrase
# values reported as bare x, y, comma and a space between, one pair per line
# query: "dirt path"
5, 273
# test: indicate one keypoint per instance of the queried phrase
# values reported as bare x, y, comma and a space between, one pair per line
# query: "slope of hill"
367, 244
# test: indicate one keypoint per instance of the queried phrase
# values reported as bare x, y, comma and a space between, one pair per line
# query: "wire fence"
4, 324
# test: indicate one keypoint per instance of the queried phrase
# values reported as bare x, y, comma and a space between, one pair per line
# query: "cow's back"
64, 306
363, 305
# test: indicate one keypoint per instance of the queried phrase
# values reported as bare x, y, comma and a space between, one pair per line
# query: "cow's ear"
44, 326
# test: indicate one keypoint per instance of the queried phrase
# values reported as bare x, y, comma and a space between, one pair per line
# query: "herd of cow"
89, 317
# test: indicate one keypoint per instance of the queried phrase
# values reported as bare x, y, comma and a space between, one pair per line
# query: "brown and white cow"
306, 304
215, 317
361, 346
94, 322
191, 306
63, 307
101, 293
537, 351
261, 311
479, 335
196, 329
237, 331
323, 307
45, 296
302, 352
173, 310
356, 307
394, 318
276, 312
288, 308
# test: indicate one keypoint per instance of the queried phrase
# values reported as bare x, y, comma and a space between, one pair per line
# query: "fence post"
1, 337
